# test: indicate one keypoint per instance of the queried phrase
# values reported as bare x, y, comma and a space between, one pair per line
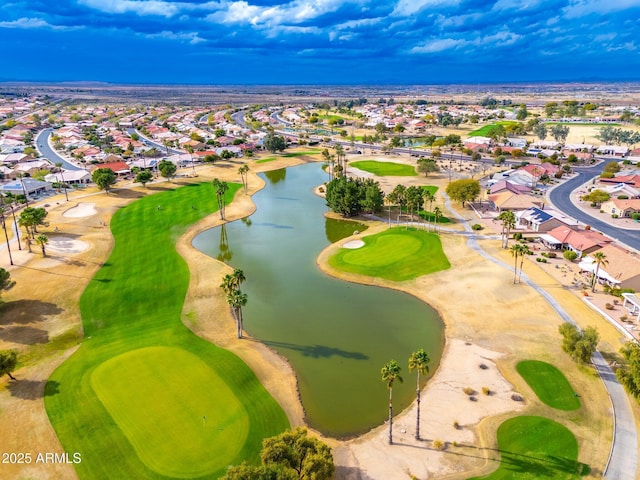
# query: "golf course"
141, 381
383, 169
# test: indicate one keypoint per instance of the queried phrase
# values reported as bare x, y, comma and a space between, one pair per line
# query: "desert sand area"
488, 319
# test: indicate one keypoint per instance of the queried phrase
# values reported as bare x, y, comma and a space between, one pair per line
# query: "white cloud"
439, 45
190, 37
580, 8
151, 7
294, 12
25, 22
518, 5
405, 8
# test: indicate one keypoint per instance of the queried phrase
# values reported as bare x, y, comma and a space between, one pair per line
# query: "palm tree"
429, 197
516, 251
243, 174
525, 251
390, 373
419, 361
508, 222
237, 300
601, 259
220, 188
42, 240
437, 213
64, 185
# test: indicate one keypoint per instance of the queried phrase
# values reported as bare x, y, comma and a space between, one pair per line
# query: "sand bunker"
64, 244
353, 244
81, 210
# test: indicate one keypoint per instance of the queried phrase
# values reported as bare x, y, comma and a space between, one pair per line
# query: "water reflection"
224, 252
276, 176
319, 351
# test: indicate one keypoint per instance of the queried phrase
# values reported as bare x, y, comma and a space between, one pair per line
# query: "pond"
336, 335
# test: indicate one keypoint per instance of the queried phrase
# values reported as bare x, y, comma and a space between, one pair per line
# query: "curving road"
623, 457
42, 144
560, 197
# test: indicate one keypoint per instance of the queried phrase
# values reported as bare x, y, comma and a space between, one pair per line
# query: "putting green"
149, 394
549, 384
395, 254
536, 447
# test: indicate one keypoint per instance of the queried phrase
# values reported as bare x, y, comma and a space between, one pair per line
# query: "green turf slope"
132, 398
549, 384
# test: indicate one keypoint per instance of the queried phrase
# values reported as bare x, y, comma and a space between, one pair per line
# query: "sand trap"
353, 244
64, 244
81, 210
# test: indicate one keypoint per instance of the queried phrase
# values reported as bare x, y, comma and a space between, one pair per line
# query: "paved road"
560, 197
156, 145
623, 457
42, 144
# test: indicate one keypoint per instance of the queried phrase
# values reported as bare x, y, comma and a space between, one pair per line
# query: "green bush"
517, 236
552, 255
541, 260
476, 226
614, 215
570, 255
623, 197
635, 216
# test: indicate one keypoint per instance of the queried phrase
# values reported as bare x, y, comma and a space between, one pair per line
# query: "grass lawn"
549, 384
288, 155
385, 168
536, 447
482, 131
429, 216
132, 397
395, 254
430, 188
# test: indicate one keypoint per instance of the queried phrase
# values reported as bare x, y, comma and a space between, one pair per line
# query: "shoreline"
482, 283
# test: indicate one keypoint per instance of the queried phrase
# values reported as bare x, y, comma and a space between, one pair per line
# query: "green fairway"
484, 130
549, 384
430, 188
265, 160
383, 169
536, 447
395, 254
132, 397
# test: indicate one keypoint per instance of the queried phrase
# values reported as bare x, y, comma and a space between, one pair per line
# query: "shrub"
544, 254
517, 236
635, 216
614, 215
517, 398
438, 445
552, 255
468, 390
541, 260
483, 366
623, 197
486, 390
476, 226
570, 255
608, 306
624, 318
456, 425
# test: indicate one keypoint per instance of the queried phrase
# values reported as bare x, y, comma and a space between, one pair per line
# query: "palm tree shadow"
33, 389
29, 311
319, 351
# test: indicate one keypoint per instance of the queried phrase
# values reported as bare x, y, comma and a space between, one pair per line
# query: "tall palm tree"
243, 170
419, 361
516, 251
64, 185
237, 300
220, 189
437, 213
523, 254
429, 198
390, 373
508, 222
42, 240
601, 259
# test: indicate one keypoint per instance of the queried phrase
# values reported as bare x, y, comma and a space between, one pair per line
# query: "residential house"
633, 180
119, 168
504, 185
539, 220
622, 189
29, 186
582, 242
621, 207
613, 150
622, 266
71, 177
508, 200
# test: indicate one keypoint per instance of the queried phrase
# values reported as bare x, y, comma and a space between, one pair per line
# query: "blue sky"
319, 41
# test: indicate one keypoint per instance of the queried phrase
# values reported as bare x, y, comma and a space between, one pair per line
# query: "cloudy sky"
319, 41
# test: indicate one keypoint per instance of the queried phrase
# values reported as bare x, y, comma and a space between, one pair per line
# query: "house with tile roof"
621, 207
582, 242
540, 220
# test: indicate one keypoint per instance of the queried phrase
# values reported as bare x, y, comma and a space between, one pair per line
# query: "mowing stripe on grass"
133, 385
134, 302
396, 254
385, 168
549, 384
536, 447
